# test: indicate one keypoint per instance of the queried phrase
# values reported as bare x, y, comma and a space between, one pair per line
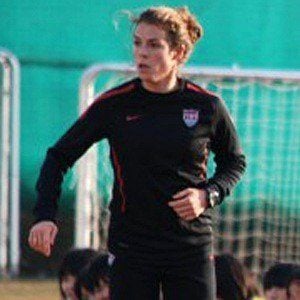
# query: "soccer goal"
260, 222
9, 164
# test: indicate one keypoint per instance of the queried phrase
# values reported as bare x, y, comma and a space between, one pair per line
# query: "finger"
39, 242
183, 214
33, 240
182, 193
46, 238
53, 234
42, 250
43, 240
45, 247
182, 207
39, 249
179, 203
188, 216
183, 210
47, 250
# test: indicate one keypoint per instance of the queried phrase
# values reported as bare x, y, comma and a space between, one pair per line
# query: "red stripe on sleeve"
120, 179
199, 89
117, 91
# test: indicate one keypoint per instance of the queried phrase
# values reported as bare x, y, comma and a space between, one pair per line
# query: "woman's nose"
143, 51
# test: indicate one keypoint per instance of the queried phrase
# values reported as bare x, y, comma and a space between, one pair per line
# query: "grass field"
28, 290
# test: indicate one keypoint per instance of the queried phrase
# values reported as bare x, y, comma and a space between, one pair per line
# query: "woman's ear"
179, 54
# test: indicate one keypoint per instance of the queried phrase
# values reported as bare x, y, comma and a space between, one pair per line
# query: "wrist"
212, 197
39, 220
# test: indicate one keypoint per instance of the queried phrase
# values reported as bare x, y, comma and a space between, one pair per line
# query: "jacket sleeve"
93, 125
229, 159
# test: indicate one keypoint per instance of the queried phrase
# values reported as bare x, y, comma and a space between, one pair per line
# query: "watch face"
213, 198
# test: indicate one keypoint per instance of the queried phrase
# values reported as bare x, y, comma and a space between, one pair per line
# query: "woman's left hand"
189, 203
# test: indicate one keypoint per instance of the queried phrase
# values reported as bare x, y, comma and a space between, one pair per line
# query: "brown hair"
181, 26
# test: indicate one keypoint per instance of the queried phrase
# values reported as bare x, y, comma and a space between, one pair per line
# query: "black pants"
192, 279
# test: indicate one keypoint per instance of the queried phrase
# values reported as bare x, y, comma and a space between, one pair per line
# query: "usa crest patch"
190, 117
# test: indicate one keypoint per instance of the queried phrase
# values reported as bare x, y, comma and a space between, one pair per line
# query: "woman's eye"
136, 43
154, 45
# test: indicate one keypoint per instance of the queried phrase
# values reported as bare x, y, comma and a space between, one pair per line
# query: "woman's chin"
147, 78
144, 76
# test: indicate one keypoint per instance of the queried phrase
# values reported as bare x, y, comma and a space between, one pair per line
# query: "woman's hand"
42, 236
189, 203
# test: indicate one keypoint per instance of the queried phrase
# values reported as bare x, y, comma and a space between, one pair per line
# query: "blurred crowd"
84, 274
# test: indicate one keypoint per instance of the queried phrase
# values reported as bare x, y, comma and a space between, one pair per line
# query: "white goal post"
9, 164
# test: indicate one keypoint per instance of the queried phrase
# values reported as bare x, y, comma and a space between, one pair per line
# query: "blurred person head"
293, 286
84, 285
231, 278
93, 281
72, 264
275, 281
164, 38
99, 271
253, 285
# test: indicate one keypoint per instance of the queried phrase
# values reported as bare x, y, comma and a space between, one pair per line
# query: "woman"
161, 128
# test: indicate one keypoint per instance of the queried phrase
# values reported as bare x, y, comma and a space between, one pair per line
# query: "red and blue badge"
190, 117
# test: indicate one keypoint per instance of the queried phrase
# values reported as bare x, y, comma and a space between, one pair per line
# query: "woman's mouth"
143, 67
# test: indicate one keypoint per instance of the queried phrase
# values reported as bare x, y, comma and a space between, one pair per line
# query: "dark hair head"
181, 27
83, 281
254, 288
294, 278
99, 270
231, 280
278, 276
73, 263
93, 275
295, 274
75, 260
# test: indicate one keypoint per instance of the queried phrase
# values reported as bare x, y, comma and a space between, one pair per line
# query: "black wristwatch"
212, 197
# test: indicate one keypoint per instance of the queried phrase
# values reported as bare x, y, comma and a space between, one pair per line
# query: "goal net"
260, 222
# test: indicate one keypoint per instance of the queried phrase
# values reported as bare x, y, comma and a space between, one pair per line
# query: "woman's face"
276, 293
102, 293
294, 290
155, 60
67, 286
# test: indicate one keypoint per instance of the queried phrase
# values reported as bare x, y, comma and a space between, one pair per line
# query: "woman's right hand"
42, 236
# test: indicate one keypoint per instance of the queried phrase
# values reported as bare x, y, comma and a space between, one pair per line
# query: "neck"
163, 86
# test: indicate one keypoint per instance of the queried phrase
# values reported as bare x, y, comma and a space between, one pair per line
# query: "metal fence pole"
10, 204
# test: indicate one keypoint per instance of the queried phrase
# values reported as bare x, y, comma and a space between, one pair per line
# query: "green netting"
267, 118
260, 220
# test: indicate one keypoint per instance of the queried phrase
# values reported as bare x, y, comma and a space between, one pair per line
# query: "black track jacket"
160, 145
